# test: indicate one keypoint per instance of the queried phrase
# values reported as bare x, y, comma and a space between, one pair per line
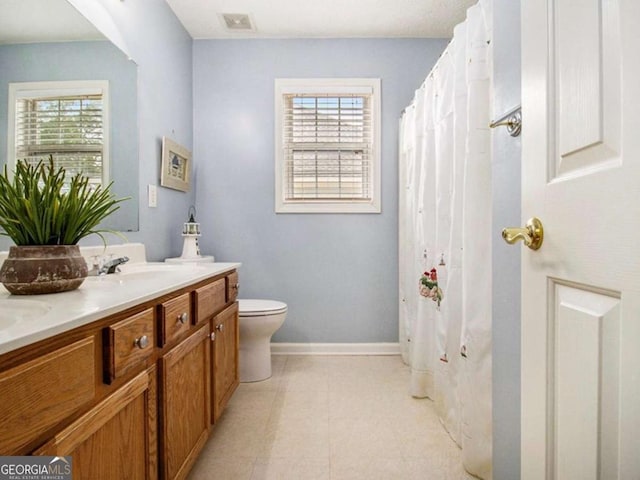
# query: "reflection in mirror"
48, 40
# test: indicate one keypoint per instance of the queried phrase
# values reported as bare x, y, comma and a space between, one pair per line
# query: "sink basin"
141, 271
139, 268
16, 310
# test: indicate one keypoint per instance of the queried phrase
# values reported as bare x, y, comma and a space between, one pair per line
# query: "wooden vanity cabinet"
132, 395
225, 341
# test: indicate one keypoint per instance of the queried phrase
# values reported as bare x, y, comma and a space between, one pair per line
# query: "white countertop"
96, 298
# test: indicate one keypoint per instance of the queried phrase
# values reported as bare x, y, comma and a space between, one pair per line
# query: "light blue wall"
85, 61
337, 273
506, 259
162, 48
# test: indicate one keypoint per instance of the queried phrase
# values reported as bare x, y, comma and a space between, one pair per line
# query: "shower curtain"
445, 239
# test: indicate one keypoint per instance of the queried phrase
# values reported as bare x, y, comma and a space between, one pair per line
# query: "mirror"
49, 40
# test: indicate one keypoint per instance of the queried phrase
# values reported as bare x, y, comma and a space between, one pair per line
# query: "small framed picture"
176, 166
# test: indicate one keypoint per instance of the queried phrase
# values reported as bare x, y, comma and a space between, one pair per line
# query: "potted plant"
46, 217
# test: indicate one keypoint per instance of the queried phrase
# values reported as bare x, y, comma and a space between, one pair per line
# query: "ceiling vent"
238, 21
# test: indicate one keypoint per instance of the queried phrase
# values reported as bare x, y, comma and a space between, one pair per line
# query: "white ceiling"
323, 18
29, 21
57, 20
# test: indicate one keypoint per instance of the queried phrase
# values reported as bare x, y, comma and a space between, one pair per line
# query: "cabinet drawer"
210, 299
128, 343
175, 318
36, 395
232, 286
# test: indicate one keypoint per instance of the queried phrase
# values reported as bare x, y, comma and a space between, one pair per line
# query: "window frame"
63, 88
321, 86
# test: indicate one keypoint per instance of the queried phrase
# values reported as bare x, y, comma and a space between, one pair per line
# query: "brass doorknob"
532, 234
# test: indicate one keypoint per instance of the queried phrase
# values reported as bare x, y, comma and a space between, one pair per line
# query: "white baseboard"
335, 349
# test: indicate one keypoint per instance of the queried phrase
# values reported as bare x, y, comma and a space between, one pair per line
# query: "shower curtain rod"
405, 108
506, 115
430, 74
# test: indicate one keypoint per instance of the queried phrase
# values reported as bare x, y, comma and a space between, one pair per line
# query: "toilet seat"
259, 308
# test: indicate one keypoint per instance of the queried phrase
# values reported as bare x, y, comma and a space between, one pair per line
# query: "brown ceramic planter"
32, 270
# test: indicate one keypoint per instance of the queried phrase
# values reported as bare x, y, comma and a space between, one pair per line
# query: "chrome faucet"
111, 266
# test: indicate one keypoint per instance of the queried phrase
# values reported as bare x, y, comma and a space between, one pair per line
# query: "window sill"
327, 207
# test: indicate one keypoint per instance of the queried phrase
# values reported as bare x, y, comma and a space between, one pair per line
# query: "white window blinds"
327, 145
69, 125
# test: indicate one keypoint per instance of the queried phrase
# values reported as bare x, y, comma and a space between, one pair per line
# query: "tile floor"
330, 418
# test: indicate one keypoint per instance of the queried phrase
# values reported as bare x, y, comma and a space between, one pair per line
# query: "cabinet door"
117, 438
184, 403
225, 378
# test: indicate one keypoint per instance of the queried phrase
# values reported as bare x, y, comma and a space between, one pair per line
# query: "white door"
581, 289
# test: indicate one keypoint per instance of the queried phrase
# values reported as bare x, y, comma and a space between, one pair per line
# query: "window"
68, 120
327, 145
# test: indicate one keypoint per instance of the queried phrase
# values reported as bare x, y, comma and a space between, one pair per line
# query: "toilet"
259, 320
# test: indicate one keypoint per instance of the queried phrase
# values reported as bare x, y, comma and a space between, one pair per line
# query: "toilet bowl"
259, 320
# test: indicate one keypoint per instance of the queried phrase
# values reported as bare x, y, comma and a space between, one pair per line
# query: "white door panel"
581, 289
585, 333
585, 87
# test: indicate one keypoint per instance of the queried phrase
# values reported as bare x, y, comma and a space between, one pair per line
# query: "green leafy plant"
37, 208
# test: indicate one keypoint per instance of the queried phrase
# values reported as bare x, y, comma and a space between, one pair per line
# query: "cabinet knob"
212, 336
183, 317
141, 342
236, 286
220, 327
